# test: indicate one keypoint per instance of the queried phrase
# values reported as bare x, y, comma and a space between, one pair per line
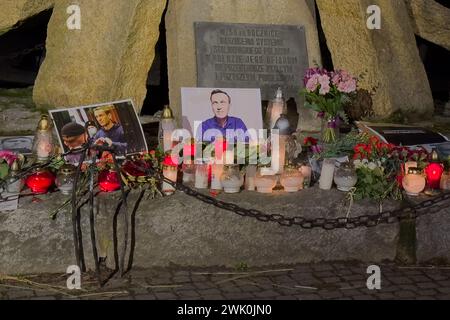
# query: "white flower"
372, 166
357, 163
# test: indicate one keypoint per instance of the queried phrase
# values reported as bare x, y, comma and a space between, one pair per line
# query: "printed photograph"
17, 144
231, 113
113, 124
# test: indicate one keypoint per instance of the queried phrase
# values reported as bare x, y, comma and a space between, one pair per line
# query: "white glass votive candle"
232, 179
327, 174
201, 176
250, 174
216, 173
265, 183
291, 180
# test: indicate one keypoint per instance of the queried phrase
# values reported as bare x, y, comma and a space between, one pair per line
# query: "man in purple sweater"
228, 127
110, 133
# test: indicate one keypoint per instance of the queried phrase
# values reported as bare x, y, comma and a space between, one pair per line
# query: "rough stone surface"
183, 231
431, 21
14, 11
389, 57
180, 36
18, 114
433, 237
108, 59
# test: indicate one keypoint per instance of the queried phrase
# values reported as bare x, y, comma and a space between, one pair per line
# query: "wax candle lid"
44, 123
167, 113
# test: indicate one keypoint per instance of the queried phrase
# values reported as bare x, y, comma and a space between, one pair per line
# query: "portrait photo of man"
74, 136
222, 124
109, 132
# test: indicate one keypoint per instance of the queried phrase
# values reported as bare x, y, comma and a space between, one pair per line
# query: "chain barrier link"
430, 206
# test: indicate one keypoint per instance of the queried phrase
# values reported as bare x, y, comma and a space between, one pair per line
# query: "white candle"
250, 173
201, 176
265, 184
232, 185
292, 184
44, 146
327, 174
167, 140
216, 173
277, 110
278, 153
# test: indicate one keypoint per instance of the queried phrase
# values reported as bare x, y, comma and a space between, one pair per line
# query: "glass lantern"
166, 128
65, 179
445, 181
345, 177
414, 182
14, 183
40, 181
231, 179
108, 180
291, 179
275, 109
265, 183
43, 140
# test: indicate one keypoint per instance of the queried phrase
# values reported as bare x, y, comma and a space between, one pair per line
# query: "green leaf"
4, 170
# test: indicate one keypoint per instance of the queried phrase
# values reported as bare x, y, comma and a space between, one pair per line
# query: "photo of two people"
113, 124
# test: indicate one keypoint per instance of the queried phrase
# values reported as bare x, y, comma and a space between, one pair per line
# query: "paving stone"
364, 297
308, 296
239, 296
145, 297
209, 292
405, 294
444, 290
427, 285
213, 297
331, 294
166, 296
266, 294
332, 280
396, 284
401, 280
285, 298
188, 293
234, 289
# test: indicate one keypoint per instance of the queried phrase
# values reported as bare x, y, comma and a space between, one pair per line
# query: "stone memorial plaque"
251, 56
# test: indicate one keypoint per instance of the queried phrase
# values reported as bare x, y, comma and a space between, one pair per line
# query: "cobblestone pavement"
298, 282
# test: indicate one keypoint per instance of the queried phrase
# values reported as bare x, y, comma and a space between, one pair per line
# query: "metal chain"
431, 206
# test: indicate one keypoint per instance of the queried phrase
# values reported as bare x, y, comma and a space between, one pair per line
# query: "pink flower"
324, 81
344, 81
313, 72
8, 156
312, 83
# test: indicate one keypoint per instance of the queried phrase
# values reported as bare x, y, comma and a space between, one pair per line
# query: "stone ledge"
183, 231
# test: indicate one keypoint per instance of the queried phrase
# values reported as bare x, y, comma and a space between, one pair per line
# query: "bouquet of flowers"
327, 92
377, 175
6, 160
